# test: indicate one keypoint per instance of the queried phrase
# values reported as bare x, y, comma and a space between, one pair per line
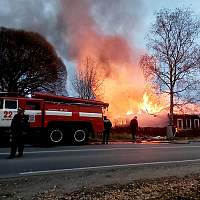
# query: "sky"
152, 6
66, 22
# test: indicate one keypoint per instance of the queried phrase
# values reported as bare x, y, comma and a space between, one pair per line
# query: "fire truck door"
33, 110
8, 108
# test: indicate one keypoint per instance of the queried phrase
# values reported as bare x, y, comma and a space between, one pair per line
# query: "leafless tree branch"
87, 82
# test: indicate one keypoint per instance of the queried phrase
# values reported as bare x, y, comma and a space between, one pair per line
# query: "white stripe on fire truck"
33, 112
86, 114
59, 113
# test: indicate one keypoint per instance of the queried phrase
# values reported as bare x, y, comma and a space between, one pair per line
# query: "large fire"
93, 30
126, 91
117, 57
125, 105
149, 106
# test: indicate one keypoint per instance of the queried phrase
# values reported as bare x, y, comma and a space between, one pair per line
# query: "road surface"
79, 158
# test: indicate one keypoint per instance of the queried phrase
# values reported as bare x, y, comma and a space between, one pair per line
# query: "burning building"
116, 55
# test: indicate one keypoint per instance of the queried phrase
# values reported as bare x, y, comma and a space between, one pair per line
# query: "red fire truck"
56, 118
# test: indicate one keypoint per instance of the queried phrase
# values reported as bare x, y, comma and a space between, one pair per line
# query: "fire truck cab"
55, 118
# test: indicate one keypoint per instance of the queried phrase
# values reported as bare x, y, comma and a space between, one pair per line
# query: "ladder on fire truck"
56, 98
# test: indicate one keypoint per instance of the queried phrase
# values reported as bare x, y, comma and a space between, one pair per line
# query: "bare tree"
174, 55
87, 82
28, 63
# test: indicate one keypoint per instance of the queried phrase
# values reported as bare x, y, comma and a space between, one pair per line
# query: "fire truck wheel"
55, 135
80, 136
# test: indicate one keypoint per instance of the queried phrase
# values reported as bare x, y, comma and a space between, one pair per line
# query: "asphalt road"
79, 158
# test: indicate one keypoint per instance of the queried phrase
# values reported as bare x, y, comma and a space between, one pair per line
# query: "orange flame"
126, 91
149, 106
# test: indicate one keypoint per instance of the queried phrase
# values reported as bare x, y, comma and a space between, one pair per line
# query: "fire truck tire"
55, 135
80, 136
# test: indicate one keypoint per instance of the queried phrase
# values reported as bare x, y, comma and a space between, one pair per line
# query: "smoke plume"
67, 23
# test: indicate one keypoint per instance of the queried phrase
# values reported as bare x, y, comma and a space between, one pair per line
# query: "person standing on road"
107, 128
19, 126
134, 127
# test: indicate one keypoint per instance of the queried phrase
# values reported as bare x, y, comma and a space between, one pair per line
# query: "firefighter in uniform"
134, 127
107, 128
19, 126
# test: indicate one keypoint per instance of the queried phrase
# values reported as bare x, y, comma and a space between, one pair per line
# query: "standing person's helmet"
20, 109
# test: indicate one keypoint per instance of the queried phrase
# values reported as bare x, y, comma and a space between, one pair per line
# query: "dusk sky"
152, 6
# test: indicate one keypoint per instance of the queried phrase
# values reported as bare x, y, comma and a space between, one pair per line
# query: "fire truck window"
33, 105
1, 103
10, 104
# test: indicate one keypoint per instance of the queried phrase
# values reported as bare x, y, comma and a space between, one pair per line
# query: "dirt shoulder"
167, 188
147, 182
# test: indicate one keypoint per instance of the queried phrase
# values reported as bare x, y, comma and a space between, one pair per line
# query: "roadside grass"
122, 134
187, 138
114, 136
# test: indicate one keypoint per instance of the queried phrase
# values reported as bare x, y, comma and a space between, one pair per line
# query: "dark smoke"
102, 29
67, 23
107, 25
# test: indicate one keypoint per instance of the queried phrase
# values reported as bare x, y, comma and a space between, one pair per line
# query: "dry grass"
171, 188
